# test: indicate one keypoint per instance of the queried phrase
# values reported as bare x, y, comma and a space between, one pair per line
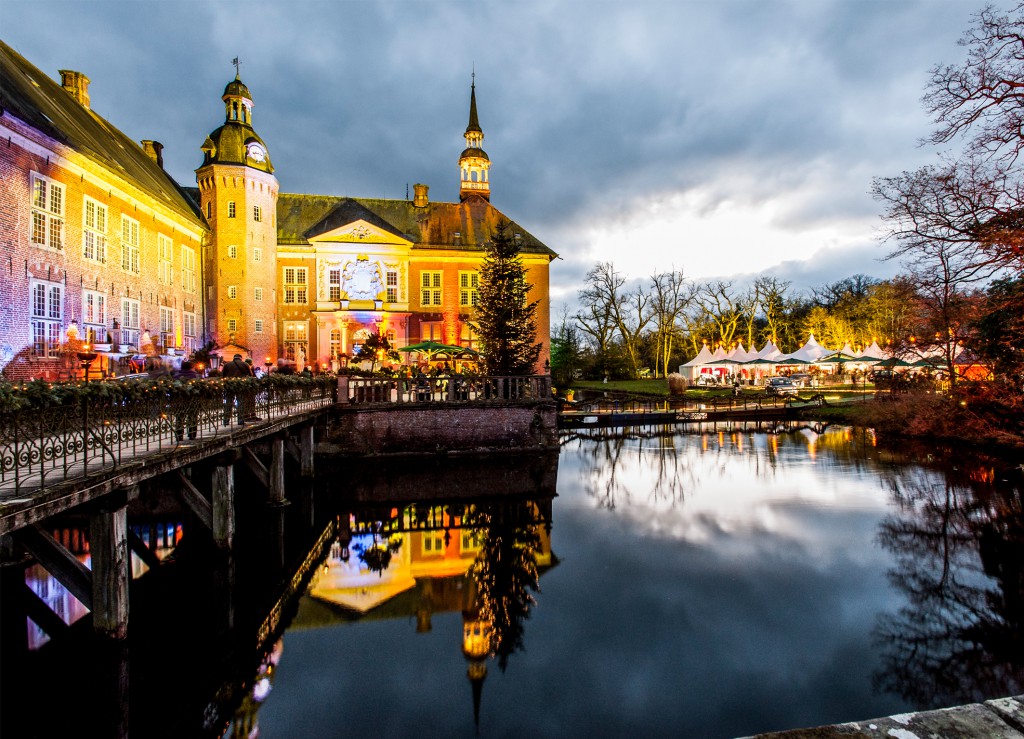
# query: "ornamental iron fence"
443, 389
97, 433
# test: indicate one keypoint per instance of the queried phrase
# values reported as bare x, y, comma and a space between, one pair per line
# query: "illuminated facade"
103, 247
100, 245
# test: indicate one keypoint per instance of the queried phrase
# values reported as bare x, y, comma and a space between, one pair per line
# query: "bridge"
96, 452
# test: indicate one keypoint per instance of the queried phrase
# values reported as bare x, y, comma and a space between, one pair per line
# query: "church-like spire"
474, 162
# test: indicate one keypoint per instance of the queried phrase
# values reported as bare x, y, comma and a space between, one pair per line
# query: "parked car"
780, 386
801, 379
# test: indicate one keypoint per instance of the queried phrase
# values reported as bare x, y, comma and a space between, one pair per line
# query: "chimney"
77, 85
419, 197
155, 151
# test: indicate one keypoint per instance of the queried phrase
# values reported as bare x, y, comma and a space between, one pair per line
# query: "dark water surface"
706, 585
642, 583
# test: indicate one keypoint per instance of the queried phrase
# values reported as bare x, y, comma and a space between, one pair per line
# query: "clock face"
256, 152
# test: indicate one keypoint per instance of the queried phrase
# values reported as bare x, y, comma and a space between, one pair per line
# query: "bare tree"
721, 307
771, 295
598, 302
671, 295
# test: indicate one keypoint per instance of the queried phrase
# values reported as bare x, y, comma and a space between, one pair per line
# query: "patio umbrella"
761, 361
433, 348
840, 357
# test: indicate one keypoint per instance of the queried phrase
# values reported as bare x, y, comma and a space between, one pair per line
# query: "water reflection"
958, 544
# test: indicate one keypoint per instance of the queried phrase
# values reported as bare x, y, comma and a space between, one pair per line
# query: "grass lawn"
654, 387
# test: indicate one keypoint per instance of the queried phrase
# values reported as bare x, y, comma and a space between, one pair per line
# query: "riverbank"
1003, 717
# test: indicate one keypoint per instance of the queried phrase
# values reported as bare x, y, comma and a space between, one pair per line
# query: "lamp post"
86, 357
267, 364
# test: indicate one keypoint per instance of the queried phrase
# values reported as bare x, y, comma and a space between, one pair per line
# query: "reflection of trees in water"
655, 446
959, 549
671, 453
505, 572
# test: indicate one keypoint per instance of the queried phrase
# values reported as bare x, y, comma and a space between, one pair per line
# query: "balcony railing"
40, 447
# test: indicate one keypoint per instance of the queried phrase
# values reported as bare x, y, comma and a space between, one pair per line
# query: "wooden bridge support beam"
224, 505
276, 476
111, 571
306, 448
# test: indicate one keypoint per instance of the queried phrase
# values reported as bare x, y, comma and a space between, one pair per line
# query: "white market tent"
874, 351
811, 351
691, 369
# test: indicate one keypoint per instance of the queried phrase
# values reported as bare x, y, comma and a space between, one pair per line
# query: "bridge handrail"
67, 432
462, 389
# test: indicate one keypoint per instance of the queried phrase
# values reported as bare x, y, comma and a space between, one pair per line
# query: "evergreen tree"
506, 323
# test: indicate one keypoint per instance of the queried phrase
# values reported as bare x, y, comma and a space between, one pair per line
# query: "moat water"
710, 583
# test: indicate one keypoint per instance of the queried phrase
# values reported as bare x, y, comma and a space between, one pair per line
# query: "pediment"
352, 222
359, 232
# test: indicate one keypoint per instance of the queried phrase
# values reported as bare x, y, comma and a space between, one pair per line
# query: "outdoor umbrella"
840, 357
433, 348
761, 361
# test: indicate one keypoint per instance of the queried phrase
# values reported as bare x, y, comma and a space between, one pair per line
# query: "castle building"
101, 246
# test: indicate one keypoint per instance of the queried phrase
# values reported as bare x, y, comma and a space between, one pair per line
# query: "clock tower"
238, 196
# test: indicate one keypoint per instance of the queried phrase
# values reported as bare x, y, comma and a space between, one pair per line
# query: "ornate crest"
362, 280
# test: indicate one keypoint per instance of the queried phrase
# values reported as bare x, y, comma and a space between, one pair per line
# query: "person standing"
235, 369
186, 411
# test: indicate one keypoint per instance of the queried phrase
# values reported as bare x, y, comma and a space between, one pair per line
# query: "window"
233, 252
165, 265
469, 285
47, 311
94, 316
258, 293
129, 244
430, 288
232, 291
47, 212
391, 278
294, 338
188, 269
231, 209
232, 325
257, 213
94, 231
257, 254
335, 343
209, 209
130, 322
295, 284
334, 284
211, 292
470, 540
467, 336
188, 330
433, 542
259, 325
166, 327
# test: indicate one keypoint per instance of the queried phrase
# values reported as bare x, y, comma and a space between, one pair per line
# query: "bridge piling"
223, 485
306, 451
111, 571
276, 477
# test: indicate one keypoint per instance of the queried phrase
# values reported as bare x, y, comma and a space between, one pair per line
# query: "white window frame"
469, 288
431, 291
131, 321
46, 226
232, 251
46, 311
130, 243
257, 213
391, 284
232, 292
232, 325
258, 293
188, 269
295, 285
257, 254
334, 284
94, 230
295, 337
258, 326
189, 324
165, 257
94, 314
231, 209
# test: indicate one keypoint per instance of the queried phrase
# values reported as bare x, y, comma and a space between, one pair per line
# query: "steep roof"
301, 217
31, 96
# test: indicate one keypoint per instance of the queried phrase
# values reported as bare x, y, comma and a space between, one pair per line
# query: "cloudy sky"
720, 137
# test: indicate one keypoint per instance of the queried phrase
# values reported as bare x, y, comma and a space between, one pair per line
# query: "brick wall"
449, 428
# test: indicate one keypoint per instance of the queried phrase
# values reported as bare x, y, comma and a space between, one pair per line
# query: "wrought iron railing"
442, 389
43, 446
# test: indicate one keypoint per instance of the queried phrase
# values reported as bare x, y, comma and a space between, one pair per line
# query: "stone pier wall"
440, 428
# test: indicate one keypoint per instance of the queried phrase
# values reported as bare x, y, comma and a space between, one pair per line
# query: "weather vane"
238, 63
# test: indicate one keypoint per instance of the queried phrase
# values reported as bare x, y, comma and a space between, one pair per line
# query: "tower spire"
474, 162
